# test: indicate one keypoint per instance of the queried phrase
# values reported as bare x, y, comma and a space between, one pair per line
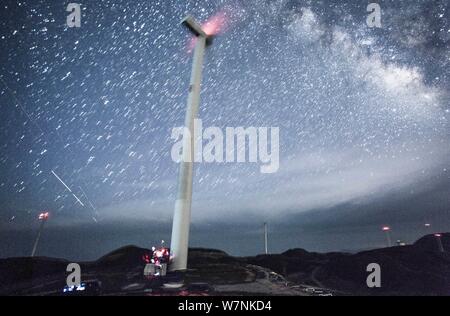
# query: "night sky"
363, 116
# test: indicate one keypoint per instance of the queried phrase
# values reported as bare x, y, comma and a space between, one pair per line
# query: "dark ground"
417, 269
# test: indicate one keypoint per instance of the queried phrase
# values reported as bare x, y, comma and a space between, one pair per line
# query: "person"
160, 258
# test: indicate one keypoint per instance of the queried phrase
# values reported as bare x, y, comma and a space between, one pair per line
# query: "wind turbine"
43, 217
439, 242
265, 239
387, 230
182, 214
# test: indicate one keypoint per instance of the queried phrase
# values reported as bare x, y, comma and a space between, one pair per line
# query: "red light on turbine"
386, 228
43, 216
216, 24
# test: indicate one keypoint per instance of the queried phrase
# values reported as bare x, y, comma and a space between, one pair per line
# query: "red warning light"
44, 216
216, 24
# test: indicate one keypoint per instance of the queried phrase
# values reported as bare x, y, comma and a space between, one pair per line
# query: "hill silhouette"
417, 269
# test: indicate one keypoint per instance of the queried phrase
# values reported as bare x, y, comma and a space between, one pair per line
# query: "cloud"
314, 180
321, 180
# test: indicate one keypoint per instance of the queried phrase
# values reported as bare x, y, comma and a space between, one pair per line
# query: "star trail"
87, 112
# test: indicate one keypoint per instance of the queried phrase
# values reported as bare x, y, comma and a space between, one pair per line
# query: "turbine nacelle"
196, 29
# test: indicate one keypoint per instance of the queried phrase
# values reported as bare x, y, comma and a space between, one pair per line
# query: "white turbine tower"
43, 217
265, 239
387, 230
182, 214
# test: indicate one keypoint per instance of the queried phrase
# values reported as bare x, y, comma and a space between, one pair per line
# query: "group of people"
160, 256
156, 264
